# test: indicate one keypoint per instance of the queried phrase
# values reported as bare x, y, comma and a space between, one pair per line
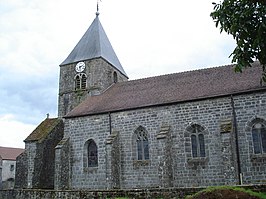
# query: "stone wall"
79, 131
62, 165
171, 163
103, 194
21, 171
36, 165
44, 166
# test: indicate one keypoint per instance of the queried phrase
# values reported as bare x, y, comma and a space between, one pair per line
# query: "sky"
150, 38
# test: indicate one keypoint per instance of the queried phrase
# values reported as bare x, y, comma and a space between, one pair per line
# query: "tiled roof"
172, 88
43, 129
8, 153
94, 44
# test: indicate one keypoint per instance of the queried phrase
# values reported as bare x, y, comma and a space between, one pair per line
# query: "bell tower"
90, 69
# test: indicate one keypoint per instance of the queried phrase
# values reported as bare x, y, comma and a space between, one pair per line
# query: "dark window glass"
263, 139
142, 144
92, 154
256, 141
83, 81
201, 145
259, 138
115, 77
194, 146
197, 141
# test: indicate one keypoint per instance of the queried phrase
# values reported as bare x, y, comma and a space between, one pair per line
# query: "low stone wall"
179, 193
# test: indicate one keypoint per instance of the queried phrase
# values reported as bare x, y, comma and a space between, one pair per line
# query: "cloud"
13, 132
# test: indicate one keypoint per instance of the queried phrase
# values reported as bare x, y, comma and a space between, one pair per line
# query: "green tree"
245, 20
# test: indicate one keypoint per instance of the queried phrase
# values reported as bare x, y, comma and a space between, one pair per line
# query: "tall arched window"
80, 81
259, 137
197, 141
92, 154
142, 144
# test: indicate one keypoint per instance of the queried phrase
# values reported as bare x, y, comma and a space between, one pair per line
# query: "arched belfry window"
259, 137
142, 144
91, 154
80, 81
197, 141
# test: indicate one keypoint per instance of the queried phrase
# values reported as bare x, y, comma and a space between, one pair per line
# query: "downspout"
236, 141
110, 123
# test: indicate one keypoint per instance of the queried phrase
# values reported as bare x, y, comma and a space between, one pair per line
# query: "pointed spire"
94, 44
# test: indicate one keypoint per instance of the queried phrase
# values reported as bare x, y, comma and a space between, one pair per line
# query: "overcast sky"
151, 37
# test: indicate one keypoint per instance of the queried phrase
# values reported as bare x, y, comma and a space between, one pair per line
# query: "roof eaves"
167, 103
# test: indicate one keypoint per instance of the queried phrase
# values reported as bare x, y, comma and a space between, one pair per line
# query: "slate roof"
43, 129
8, 153
172, 88
94, 44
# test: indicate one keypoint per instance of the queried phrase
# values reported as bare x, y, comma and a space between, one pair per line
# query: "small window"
259, 138
115, 77
142, 144
92, 154
197, 141
12, 167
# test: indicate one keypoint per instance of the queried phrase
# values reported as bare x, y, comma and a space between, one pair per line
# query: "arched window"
259, 137
92, 154
142, 144
197, 141
115, 77
80, 81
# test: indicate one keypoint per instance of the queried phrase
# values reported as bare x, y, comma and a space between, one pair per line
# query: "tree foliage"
245, 20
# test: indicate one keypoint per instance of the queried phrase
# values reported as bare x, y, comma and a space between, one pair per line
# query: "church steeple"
90, 68
94, 44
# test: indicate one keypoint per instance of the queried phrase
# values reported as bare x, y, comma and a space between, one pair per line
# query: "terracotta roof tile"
172, 88
8, 153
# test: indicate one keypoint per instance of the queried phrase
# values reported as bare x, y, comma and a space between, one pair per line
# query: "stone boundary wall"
164, 193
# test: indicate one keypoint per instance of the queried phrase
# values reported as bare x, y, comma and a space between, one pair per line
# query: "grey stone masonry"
21, 171
113, 160
170, 163
36, 166
100, 75
62, 158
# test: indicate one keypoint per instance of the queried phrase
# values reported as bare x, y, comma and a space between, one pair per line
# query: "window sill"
198, 160
258, 156
140, 163
90, 169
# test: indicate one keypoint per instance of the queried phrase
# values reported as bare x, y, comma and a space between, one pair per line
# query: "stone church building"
197, 128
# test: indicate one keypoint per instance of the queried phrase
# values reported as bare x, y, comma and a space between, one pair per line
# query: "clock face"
80, 67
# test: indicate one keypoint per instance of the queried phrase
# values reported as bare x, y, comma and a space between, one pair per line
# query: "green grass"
210, 189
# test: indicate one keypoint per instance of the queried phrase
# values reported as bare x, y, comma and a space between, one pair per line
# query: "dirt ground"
224, 194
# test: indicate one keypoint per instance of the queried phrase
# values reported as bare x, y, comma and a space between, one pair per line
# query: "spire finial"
97, 13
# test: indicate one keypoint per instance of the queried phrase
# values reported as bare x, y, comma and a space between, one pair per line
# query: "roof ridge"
98, 33
181, 73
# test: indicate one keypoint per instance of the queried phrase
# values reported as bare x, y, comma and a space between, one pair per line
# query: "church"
198, 128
